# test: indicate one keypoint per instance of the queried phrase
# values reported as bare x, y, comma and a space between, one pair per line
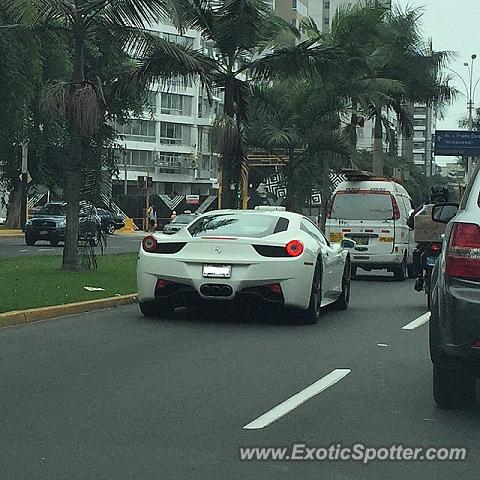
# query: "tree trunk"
232, 150
73, 182
13, 207
352, 137
378, 155
289, 182
325, 189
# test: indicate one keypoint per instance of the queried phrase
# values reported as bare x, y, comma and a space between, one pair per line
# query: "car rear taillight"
275, 288
435, 248
149, 243
463, 254
294, 248
395, 209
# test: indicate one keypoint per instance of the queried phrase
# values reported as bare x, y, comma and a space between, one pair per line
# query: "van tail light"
294, 248
435, 248
149, 243
463, 254
395, 209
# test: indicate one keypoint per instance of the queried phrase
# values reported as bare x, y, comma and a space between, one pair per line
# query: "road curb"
12, 235
20, 317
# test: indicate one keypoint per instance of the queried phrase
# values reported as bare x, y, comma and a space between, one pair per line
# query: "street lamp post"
470, 90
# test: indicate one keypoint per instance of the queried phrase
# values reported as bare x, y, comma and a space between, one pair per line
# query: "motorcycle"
429, 252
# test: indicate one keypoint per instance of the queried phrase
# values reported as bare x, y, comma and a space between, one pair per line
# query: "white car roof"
387, 185
273, 213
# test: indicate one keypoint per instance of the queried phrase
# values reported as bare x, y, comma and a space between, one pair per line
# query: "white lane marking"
44, 249
382, 344
301, 397
418, 322
22, 251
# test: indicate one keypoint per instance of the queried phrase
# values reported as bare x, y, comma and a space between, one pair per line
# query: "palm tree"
250, 44
301, 119
396, 67
122, 23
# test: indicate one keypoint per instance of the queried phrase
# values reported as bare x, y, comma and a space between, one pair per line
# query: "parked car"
455, 301
266, 255
50, 222
110, 221
179, 222
373, 211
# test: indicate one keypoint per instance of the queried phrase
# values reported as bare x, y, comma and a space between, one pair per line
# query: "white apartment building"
424, 124
170, 141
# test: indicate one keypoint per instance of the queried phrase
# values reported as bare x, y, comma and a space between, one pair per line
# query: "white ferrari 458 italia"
266, 254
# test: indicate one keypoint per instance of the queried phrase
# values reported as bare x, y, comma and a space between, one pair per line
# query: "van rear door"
366, 216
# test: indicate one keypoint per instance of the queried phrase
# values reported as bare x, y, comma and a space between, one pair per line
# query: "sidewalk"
5, 232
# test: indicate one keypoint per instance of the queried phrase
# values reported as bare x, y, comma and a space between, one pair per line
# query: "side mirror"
444, 212
347, 244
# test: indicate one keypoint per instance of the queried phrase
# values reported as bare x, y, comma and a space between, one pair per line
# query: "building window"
175, 134
326, 6
152, 101
419, 157
139, 158
179, 39
419, 122
417, 145
420, 111
294, 4
204, 139
137, 130
178, 83
326, 20
174, 104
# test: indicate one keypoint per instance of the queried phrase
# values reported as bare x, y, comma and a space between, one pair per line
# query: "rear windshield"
183, 219
238, 225
53, 209
362, 206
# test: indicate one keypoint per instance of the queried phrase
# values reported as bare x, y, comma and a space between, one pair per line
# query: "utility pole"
24, 179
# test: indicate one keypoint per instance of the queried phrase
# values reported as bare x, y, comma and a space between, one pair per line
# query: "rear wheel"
400, 271
30, 241
111, 229
313, 312
453, 387
344, 299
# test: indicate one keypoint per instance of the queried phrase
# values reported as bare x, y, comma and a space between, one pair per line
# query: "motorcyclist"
437, 195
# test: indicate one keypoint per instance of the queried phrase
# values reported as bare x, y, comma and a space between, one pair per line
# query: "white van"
373, 211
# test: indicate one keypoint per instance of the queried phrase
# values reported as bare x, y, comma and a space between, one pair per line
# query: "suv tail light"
294, 248
463, 254
396, 210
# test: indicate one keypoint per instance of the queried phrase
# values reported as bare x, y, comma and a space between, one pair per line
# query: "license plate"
43, 232
431, 261
217, 271
360, 240
336, 237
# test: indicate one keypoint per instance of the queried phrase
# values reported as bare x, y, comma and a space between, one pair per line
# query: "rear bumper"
376, 261
458, 310
294, 277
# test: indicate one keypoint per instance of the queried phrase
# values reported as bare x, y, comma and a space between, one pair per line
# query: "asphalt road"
111, 395
118, 243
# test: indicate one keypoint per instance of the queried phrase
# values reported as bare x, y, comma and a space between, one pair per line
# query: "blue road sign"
461, 143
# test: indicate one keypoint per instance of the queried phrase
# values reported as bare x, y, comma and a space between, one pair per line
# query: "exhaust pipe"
209, 290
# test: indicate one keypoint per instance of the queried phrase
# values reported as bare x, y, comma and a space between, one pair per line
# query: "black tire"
400, 271
428, 287
110, 229
54, 243
313, 312
30, 241
453, 388
344, 299
411, 271
154, 310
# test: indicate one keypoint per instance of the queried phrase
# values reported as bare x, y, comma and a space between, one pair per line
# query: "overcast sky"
453, 25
